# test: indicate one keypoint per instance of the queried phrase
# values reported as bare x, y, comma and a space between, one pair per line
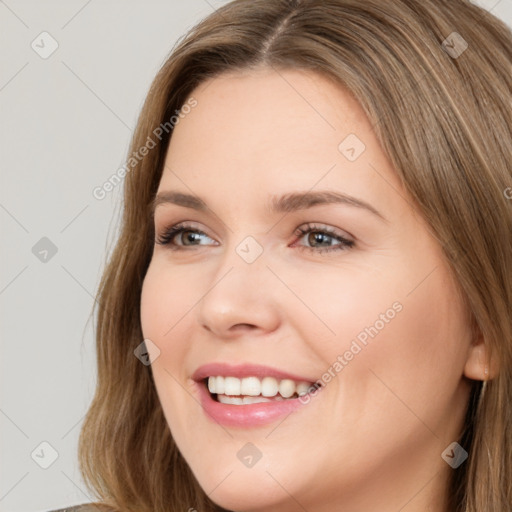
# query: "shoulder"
85, 507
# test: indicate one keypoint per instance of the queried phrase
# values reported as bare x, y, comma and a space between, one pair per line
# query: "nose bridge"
240, 293
243, 260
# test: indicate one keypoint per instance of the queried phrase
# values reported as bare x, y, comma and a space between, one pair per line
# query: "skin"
373, 438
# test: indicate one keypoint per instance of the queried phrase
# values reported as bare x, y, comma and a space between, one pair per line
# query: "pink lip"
245, 370
249, 415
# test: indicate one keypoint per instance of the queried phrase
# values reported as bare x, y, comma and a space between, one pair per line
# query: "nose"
242, 297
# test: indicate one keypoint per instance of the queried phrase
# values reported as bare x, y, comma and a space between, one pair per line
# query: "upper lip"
245, 370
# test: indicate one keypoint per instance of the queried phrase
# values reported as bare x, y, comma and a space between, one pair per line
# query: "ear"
480, 363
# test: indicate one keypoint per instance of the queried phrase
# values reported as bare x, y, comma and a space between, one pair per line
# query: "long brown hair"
435, 79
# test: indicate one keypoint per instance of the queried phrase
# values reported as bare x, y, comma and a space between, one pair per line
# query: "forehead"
262, 131
267, 108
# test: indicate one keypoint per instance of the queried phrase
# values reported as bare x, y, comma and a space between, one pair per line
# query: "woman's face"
362, 301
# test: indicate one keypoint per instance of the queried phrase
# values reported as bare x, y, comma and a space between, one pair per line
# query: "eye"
324, 236
178, 231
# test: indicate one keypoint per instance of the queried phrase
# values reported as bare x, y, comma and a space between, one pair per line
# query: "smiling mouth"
252, 390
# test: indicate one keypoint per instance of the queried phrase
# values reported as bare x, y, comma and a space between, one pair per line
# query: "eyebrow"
287, 203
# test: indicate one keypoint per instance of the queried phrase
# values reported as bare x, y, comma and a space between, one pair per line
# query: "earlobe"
479, 364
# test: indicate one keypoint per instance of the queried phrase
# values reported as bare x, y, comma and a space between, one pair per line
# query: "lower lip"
248, 415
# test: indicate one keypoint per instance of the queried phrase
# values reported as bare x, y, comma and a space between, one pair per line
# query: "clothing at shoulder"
85, 507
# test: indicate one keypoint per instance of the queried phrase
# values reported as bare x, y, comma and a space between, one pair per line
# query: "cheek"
414, 364
164, 302
341, 305
164, 307
165, 310
431, 333
390, 342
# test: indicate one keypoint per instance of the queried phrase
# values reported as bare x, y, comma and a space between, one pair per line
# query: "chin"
235, 487
245, 492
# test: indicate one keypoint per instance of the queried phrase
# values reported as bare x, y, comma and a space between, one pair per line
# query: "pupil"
316, 237
190, 237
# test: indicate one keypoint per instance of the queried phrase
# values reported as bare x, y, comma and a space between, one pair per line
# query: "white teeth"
286, 388
218, 384
236, 400
269, 386
302, 388
250, 387
231, 386
233, 400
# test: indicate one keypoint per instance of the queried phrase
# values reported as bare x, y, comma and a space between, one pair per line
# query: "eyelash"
170, 233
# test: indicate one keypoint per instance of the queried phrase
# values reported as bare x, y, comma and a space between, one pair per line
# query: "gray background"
66, 122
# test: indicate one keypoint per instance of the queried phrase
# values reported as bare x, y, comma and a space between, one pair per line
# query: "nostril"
243, 327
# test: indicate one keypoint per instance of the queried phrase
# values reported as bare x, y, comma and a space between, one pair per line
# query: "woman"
308, 307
